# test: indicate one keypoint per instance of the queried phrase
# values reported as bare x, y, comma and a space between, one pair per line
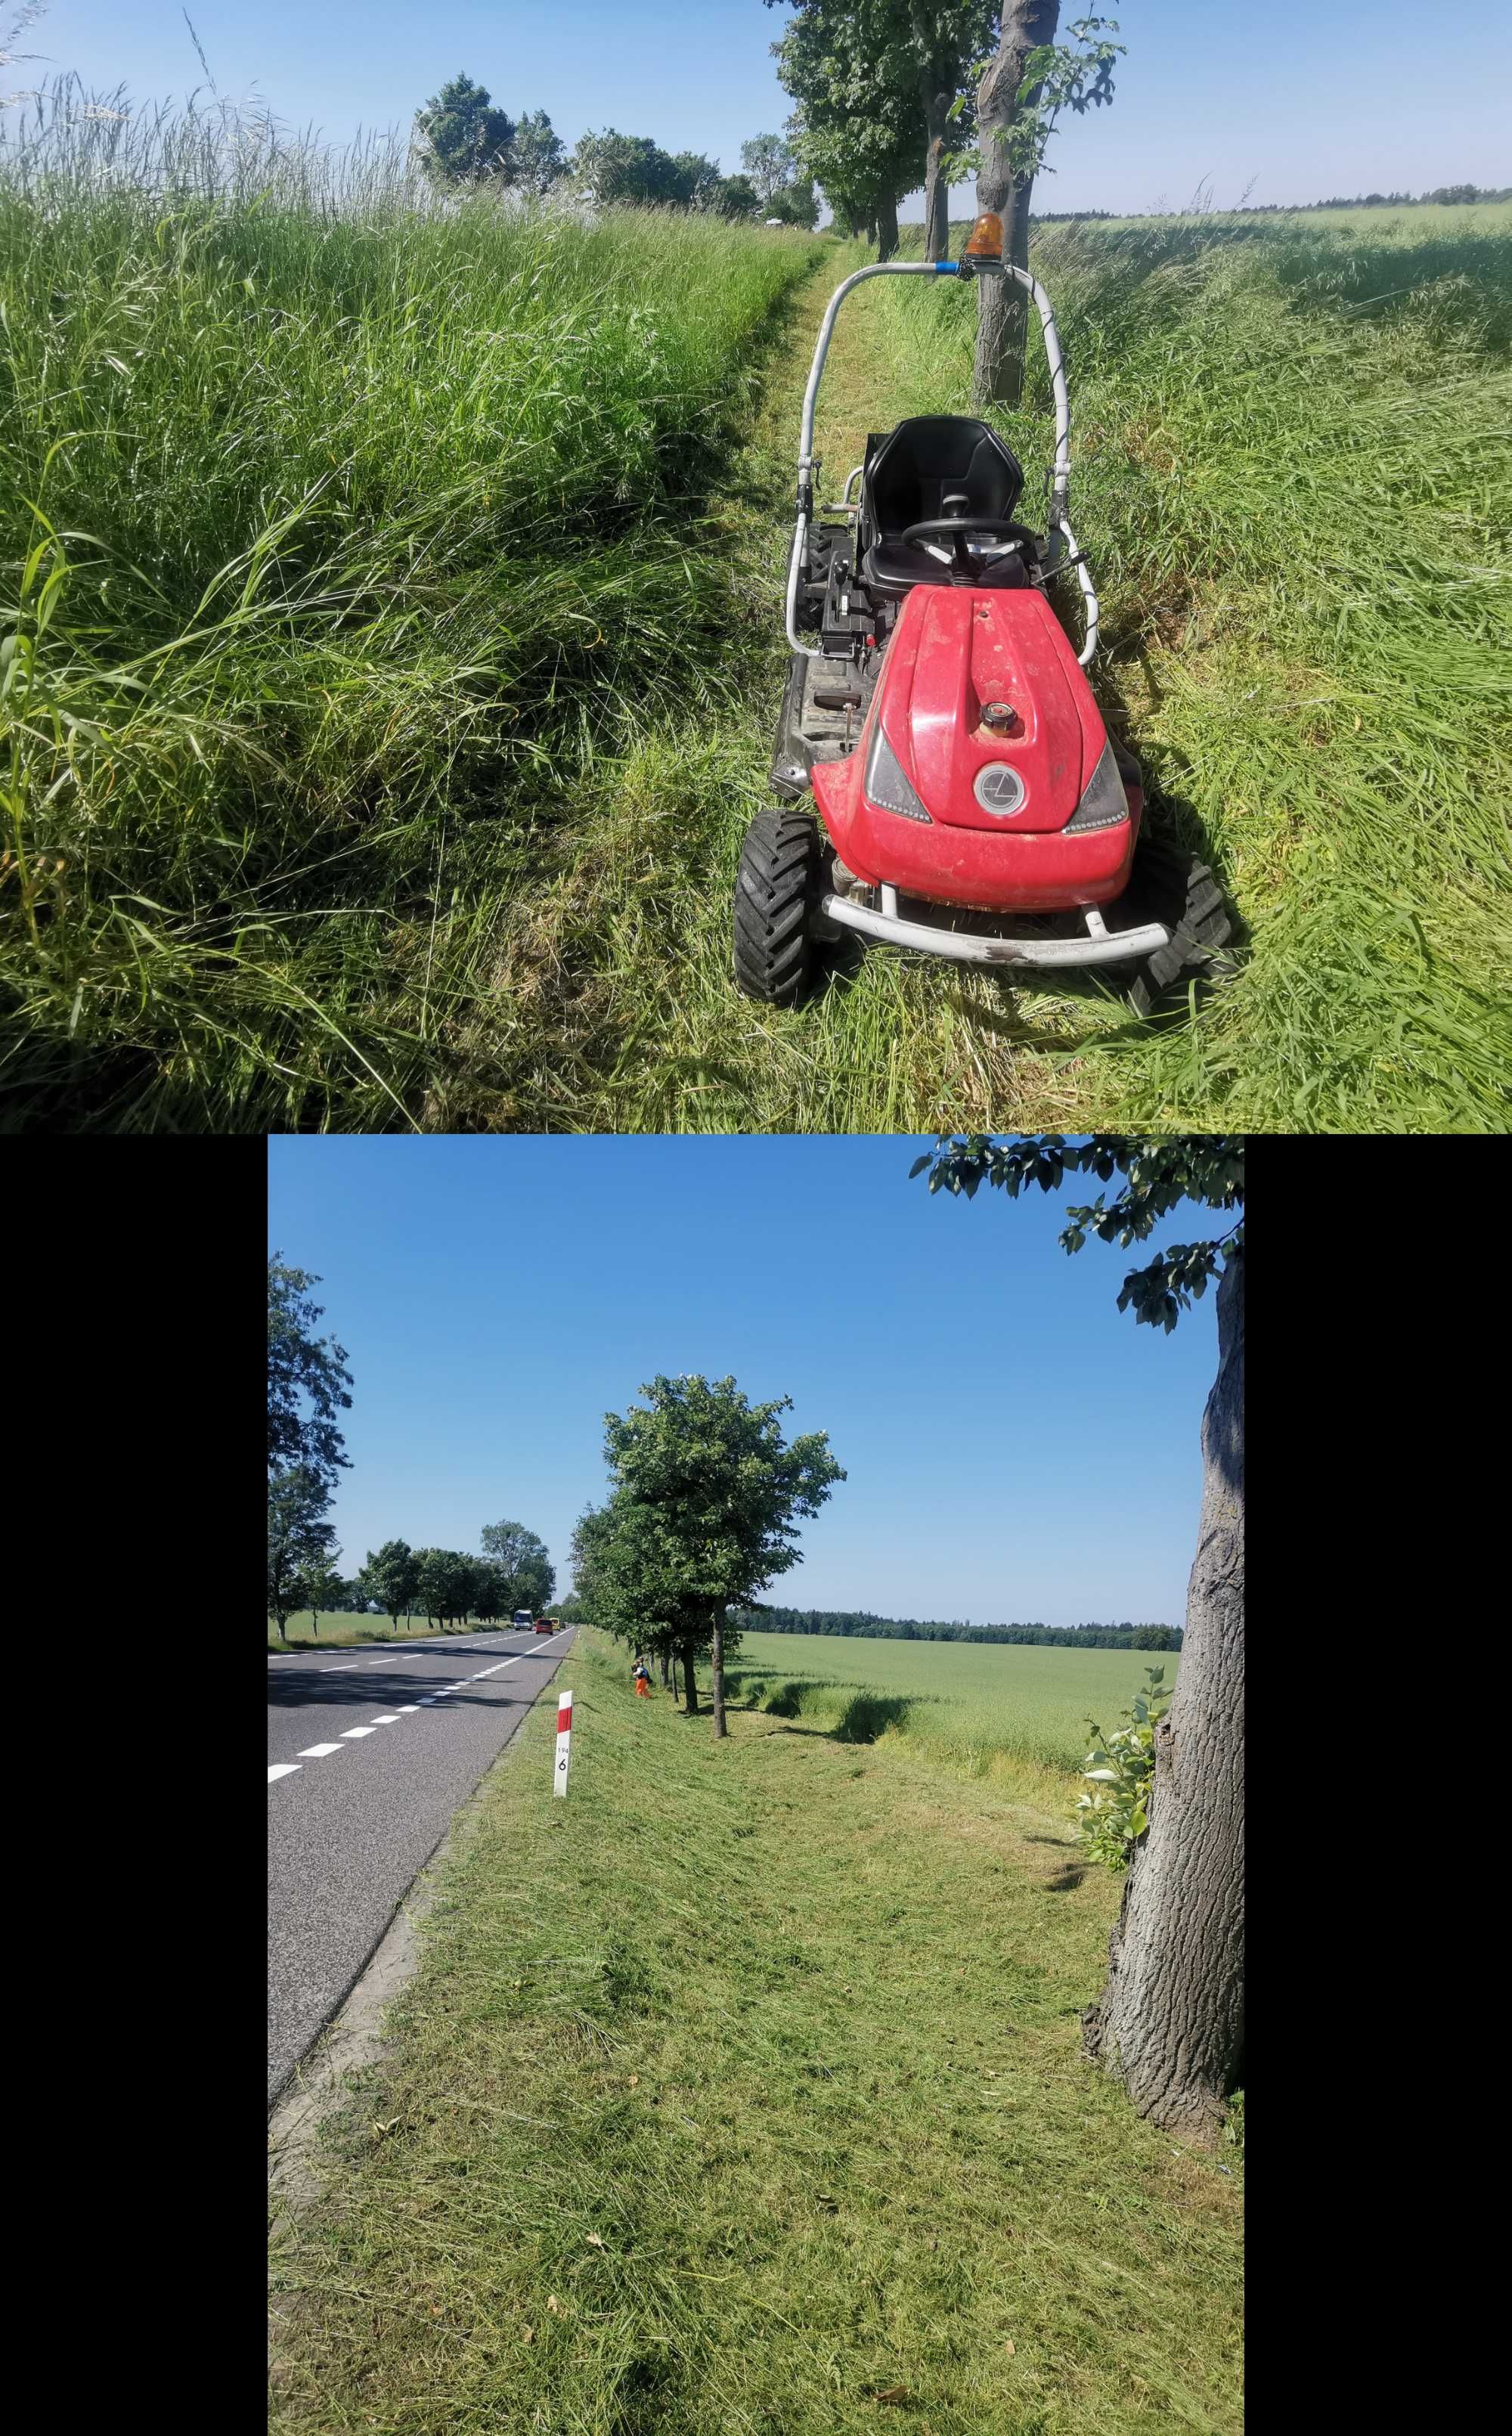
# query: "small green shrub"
1120, 1767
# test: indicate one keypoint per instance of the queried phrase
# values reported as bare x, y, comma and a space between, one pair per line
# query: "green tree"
1024, 88
392, 1578
887, 88
723, 1490
445, 1584
1169, 2023
771, 164
320, 1586
615, 168
697, 184
525, 1574
630, 1585
307, 1379
537, 158
856, 129
464, 139
797, 205
299, 1537
739, 200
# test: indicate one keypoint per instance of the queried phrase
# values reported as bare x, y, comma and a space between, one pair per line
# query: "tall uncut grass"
345, 528
1293, 468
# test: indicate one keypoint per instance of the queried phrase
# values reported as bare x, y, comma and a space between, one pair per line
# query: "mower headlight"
886, 781
1103, 800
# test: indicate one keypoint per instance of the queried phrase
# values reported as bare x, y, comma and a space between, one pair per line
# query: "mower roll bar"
1061, 472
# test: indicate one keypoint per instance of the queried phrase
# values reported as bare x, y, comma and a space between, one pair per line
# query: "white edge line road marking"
287, 1767
320, 1750
354, 1734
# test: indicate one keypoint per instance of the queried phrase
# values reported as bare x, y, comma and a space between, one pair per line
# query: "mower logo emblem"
997, 788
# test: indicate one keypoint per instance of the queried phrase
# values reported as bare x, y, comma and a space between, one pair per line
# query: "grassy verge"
343, 1631
742, 2092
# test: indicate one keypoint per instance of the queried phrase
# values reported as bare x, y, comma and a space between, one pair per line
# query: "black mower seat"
906, 477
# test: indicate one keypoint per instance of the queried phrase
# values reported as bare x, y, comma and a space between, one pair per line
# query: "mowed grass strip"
1292, 469
740, 2093
1291, 447
976, 1710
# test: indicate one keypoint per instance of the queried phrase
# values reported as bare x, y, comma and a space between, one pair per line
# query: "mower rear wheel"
1170, 886
776, 891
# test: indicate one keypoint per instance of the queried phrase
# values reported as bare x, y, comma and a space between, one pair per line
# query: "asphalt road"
370, 1753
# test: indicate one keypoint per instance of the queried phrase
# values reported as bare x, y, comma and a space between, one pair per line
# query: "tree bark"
661, 1656
717, 1674
936, 189
689, 1686
1169, 2022
998, 374
886, 228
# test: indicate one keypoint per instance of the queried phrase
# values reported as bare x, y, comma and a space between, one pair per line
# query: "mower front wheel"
776, 892
1170, 886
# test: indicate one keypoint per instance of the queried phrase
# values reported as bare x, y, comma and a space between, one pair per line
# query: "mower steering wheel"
914, 536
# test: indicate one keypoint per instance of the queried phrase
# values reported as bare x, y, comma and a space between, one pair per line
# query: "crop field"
969, 1708
397, 645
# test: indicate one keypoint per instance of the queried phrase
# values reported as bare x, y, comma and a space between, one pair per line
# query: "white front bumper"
1099, 947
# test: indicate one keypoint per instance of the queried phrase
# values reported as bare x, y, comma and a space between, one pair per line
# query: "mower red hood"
954, 650
904, 807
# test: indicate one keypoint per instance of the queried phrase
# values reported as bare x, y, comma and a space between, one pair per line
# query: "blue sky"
1300, 99
1016, 1448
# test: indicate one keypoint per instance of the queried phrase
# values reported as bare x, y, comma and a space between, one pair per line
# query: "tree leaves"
1161, 1171
307, 1379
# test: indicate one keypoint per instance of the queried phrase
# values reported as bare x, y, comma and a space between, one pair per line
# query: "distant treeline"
885, 1627
1330, 204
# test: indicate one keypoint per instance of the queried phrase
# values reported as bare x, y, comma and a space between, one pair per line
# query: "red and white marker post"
559, 1781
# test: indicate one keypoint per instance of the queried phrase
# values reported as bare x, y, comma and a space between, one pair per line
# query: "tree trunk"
661, 1655
886, 228
690, 1687
936, 188
998, 376
1169, 2023
717, 1674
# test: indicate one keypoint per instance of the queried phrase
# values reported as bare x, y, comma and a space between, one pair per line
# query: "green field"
740, 2093
399, 646
976, 1710
333, 1630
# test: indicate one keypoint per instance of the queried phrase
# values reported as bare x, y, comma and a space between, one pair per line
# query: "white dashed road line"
428, 1700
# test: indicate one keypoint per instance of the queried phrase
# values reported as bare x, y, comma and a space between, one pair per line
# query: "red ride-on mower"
961, 766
